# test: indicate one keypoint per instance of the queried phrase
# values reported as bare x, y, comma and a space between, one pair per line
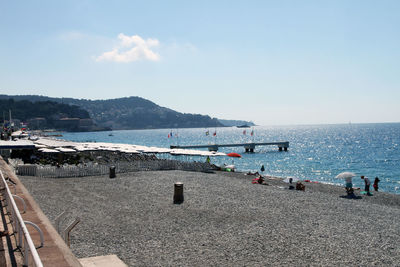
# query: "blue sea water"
316, 152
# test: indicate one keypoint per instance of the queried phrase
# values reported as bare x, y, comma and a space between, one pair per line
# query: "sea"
316, 152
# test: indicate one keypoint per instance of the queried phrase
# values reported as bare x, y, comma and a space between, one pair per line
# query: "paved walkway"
103, 261
54, 252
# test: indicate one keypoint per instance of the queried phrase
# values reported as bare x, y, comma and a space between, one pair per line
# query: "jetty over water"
249, 147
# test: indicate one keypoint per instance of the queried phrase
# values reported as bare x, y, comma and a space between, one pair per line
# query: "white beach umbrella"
48, 150
65, 149
40, 146
345, 175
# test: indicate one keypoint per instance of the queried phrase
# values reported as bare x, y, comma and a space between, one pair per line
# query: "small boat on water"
243, 126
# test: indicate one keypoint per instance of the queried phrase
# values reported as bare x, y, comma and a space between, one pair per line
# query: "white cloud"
131, 48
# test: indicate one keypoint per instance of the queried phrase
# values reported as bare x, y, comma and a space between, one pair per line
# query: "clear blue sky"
273, 62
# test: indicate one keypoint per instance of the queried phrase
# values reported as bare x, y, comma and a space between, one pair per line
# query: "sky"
270, 62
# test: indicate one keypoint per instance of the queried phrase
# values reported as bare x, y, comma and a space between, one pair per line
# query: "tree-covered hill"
130, 113
24, 110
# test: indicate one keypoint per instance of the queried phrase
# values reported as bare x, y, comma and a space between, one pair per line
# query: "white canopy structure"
52, 145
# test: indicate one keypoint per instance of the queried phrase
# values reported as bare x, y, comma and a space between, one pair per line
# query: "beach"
225, 220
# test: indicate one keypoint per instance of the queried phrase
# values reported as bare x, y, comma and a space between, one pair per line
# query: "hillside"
25, 109
51, 113
130, 113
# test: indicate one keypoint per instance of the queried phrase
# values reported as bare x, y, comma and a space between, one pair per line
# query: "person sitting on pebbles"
300, 186
349, 187
252, 173
259, 180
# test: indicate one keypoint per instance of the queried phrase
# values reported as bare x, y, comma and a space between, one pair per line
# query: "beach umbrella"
234, 155
345, 175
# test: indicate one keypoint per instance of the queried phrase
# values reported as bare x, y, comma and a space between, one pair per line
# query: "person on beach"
349, 186
375, 185
300, 186
208, 160
291, 187
259, 180
367, 184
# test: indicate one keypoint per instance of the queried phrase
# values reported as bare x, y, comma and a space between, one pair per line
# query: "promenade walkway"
54, 251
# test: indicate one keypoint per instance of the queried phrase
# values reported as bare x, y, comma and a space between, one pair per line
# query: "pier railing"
23, 239
102, 169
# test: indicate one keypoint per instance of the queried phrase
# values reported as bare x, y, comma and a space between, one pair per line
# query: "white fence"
22, 237
120, 167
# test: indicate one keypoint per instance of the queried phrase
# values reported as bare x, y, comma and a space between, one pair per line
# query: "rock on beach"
225, 220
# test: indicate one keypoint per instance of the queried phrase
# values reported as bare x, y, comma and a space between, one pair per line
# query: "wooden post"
178, 193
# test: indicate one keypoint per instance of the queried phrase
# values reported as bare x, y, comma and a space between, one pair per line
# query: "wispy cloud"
131, 48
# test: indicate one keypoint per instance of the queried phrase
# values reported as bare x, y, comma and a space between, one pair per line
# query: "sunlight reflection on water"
316, 152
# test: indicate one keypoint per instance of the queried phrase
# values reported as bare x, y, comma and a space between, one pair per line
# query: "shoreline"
387, 198
74, 153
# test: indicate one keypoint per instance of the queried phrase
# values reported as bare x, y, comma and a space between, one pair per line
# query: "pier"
249, 147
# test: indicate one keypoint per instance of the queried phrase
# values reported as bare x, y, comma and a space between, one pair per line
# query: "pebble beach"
225, 220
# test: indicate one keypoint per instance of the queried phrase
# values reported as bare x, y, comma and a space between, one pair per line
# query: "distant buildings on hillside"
63, 124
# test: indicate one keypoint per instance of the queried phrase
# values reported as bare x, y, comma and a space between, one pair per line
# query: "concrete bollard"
178, 193
112, 171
